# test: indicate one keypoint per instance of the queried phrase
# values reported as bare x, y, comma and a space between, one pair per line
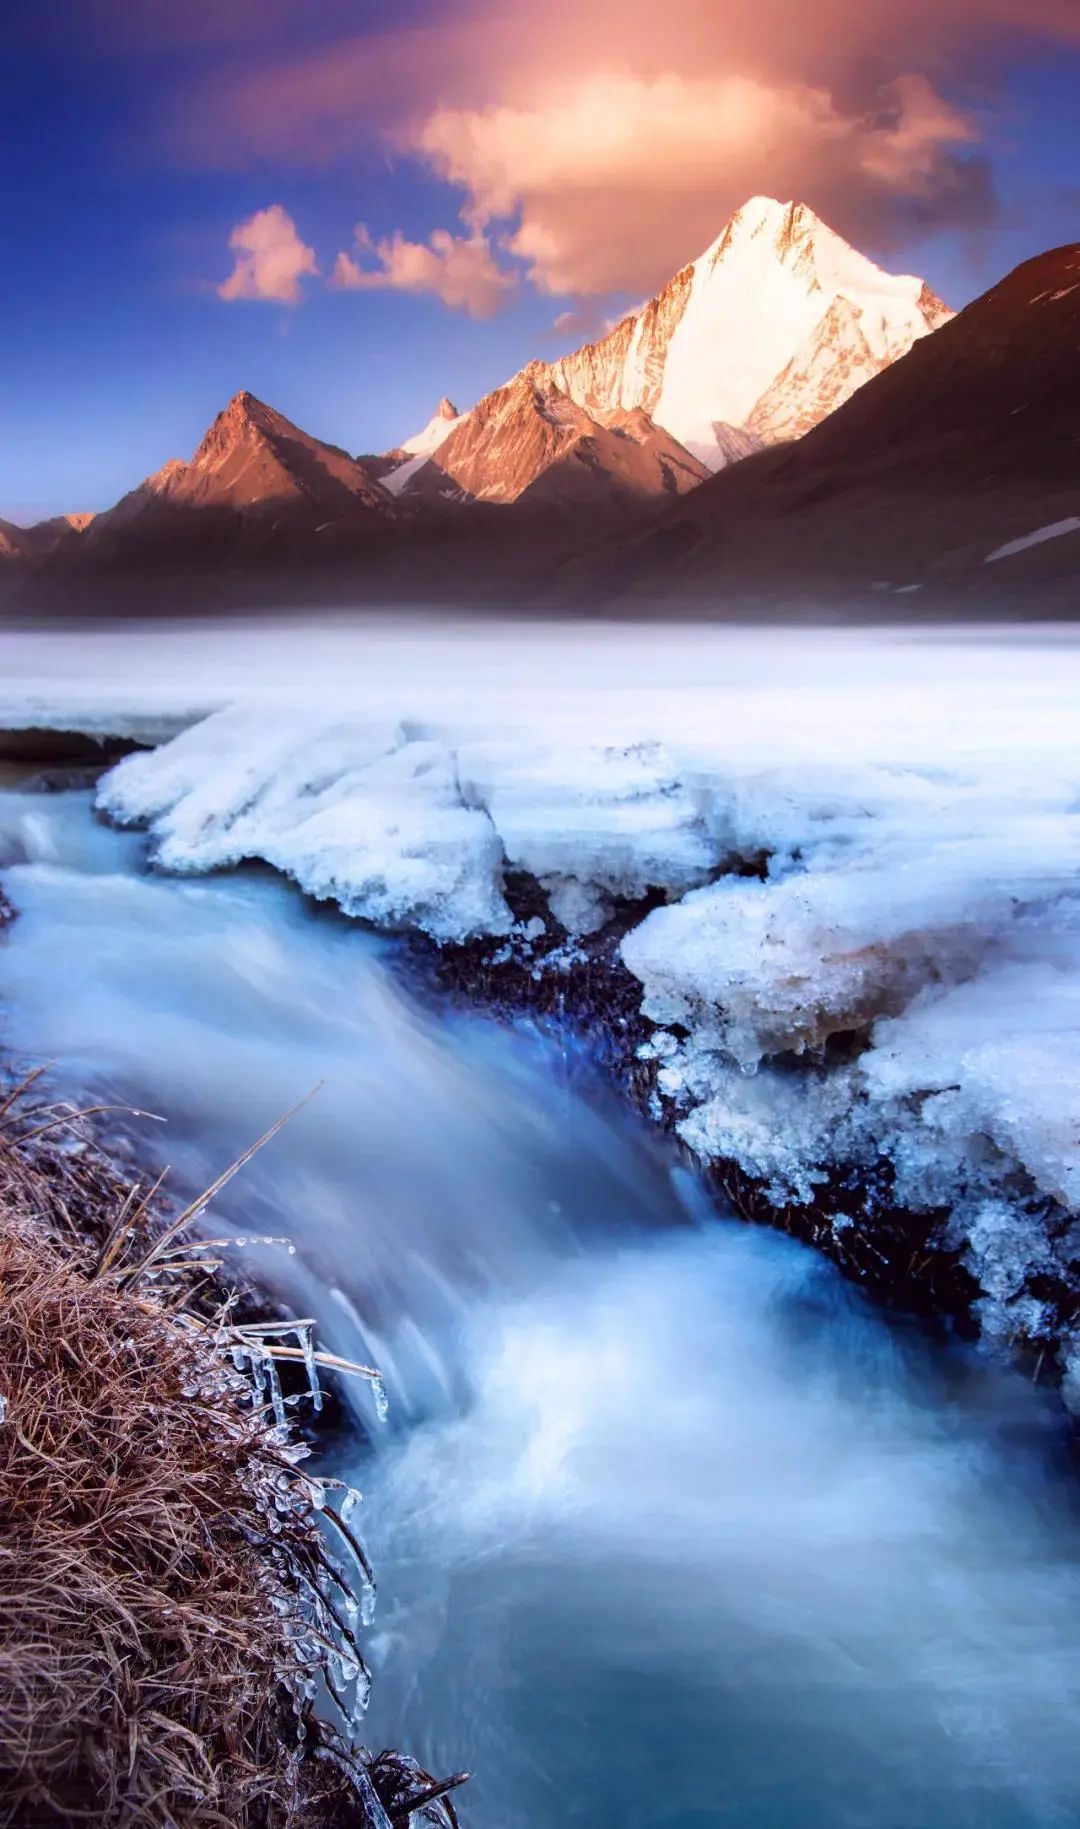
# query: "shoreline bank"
182, 1606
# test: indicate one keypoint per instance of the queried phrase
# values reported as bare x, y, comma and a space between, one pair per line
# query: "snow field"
869, 954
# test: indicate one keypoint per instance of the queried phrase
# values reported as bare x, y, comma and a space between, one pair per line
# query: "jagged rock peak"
422, 445
788, 227
770, 213
247, 409
245, 420
535, 377
160, 480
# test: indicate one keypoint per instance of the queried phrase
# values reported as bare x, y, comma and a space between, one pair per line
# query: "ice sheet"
869, 848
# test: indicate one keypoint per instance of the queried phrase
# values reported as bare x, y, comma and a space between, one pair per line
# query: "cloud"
901, 146
578, 324
587, 323
271, 259
612, 183
605, 153
460, 270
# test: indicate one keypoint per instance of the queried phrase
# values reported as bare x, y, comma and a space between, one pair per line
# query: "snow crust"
868, 959
365, 817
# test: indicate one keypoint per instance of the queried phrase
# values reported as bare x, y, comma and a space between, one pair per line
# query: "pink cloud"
613, 182
604, 147
317, 105
460, 270
271, 259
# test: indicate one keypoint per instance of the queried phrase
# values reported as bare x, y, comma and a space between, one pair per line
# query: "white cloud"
271, 259
460, 270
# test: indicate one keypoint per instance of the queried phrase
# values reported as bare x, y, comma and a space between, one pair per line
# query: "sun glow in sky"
353, 210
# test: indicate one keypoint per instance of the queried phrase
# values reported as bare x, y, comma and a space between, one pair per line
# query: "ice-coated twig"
200, 1204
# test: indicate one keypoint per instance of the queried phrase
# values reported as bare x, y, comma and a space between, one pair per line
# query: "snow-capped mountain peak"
438, 428
766, 300
774, 326
416, 450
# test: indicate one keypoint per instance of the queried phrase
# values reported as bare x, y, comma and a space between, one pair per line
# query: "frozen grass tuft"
177, 1595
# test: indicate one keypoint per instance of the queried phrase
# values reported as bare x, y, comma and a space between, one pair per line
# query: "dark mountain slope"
968, 443
256, 480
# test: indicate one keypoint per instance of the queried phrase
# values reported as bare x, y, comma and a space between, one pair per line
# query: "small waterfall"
670, 1529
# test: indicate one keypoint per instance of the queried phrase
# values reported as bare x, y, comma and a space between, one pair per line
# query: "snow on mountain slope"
772, 328
437, 430
416, 450
835, 359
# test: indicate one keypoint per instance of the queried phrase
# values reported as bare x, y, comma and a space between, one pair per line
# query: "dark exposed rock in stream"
580, 992
63, 749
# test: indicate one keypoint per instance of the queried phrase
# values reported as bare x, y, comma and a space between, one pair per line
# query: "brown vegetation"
176, 1594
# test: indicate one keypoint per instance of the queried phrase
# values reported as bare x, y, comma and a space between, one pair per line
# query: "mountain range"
956, 470
774, 326
783, 414
530, 443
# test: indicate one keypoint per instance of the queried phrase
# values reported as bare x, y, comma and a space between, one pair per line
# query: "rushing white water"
671, 1531
869, 838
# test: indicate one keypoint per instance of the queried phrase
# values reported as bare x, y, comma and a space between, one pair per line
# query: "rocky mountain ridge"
957, 466
957, 462
772, 328
776, 324
529, 443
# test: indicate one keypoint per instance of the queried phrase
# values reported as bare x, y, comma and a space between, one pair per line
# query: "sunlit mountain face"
908, 471
352, 219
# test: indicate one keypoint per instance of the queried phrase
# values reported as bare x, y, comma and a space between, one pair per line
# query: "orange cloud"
612, 182
271, 259
460, 270
314, 106
603, 144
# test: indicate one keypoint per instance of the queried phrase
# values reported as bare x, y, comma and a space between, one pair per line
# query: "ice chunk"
868, 847
594, 821
365, 816
782, 964
1007, 1048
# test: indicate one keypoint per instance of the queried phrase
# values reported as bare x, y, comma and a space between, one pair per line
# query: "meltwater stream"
671, 1530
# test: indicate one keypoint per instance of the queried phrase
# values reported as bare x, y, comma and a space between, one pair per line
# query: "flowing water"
671, 1529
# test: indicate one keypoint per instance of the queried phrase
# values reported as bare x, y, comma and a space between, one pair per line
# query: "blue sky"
136, 144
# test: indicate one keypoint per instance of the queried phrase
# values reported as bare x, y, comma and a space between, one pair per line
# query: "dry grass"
171, 1608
